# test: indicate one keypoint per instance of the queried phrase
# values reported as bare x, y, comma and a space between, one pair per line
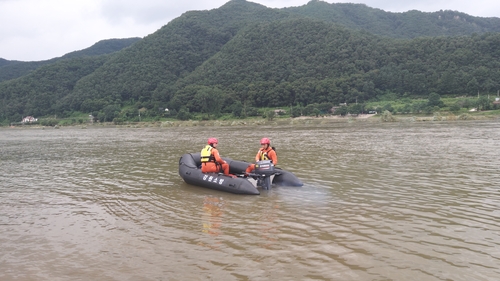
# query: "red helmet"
212, 141
265, 141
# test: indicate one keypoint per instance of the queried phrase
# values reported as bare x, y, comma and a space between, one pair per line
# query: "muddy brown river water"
398, 201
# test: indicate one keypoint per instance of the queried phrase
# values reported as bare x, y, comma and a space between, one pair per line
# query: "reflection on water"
212, 220
380, 202
269, 228
212, 215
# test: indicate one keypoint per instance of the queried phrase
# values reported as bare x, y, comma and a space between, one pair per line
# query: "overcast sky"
33, 30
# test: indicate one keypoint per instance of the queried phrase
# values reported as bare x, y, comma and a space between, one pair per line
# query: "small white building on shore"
29, 119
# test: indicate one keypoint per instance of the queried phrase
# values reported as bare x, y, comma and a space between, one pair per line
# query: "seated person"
266, 152
211, 162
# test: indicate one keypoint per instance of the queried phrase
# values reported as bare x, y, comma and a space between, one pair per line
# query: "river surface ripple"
401, 201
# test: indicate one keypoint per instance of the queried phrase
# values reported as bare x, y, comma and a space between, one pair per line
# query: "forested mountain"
410, 24
148, 71
14, 69
38, 93
103, 47
305, 61
246, 55
4, 62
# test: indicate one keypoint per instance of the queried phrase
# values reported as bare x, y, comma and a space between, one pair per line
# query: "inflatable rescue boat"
190, 171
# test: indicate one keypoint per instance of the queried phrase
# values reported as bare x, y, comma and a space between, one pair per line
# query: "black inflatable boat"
190, 171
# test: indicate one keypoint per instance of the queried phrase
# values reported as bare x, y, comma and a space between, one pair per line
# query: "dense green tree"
342, 110
472, 86
183, 114
209, 100
484, 103
356, 108
435, 100
455, 107
110, 112
388, 107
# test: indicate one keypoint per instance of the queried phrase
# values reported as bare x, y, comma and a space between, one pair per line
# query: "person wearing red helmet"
211, 162
266, 152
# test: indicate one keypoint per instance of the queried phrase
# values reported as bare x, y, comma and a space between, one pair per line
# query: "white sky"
33, 30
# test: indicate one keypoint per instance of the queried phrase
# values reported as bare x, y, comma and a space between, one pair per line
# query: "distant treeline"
244, 56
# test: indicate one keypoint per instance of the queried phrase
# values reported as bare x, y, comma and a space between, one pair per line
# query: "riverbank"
287, 121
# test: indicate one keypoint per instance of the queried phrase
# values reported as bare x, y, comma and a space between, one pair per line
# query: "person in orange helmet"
266, 152
211, 162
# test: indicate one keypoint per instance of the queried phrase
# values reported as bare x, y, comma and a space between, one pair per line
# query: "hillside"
411, 24
301, 61
37, 93
244, 55
14, 69
149, 70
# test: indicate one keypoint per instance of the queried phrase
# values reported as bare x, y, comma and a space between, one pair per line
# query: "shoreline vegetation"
283, 121
390, 109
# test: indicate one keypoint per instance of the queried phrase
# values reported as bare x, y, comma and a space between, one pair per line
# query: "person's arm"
257, 157
217, 156
274, 157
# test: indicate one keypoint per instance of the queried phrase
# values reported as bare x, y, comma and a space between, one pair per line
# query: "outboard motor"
263, 171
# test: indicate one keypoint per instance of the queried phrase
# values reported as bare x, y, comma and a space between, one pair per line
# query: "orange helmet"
212, 141
265, 141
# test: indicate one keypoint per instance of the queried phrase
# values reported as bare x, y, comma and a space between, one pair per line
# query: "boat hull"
190, 172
